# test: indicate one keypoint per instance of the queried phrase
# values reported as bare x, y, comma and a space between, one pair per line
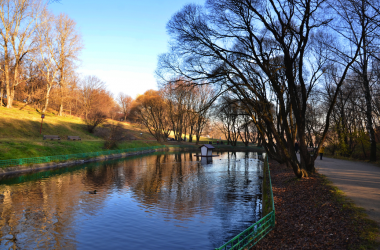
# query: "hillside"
20, 134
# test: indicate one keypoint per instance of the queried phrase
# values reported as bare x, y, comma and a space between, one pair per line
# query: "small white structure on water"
206, 150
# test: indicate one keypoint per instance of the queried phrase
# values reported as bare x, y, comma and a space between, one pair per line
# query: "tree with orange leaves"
152, 110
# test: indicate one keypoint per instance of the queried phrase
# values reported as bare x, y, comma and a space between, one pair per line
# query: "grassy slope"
20, 135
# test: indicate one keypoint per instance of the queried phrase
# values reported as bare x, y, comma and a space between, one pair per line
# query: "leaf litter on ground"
312, 214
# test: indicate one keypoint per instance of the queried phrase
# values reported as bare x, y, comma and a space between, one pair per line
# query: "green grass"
25, 124
14, 149
20, 135
369, 230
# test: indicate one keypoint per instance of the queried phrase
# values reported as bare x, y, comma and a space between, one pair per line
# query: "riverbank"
313, 214
20, 169
166, 196
27, 148
25, 165
222, 147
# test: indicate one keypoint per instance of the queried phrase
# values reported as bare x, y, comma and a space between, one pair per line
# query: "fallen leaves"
308, 216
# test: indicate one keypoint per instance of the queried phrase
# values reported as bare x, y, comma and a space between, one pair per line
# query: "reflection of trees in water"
41, 213
238, 204
173, 184
233, 155
99, 177
178, 157
182, 189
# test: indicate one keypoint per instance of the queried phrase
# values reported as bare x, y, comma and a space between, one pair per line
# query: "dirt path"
360, 181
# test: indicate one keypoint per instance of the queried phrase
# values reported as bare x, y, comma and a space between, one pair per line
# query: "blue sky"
122, 39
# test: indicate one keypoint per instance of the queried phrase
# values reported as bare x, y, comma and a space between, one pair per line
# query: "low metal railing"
249, 237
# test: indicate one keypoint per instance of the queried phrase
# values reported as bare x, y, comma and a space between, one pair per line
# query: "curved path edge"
360, 181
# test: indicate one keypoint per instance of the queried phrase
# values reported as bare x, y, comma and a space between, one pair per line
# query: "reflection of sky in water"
160, 201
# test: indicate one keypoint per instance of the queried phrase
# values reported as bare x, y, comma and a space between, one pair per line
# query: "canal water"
169, 200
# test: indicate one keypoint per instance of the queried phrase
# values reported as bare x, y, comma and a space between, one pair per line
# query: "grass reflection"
165, 197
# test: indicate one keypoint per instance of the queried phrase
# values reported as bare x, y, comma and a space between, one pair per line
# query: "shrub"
115, 135
94, 119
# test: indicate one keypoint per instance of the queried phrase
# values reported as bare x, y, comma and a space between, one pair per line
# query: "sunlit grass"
20, 134
11, 149
21, 124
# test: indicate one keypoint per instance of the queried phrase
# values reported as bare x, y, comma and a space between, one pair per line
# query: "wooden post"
42, 119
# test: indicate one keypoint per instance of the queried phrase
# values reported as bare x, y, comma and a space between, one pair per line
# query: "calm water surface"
159, 201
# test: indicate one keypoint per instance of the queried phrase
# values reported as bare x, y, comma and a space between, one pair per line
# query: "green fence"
249, 237
59, 158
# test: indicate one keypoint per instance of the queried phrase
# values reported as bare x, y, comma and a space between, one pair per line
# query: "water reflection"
163, 201
206, 160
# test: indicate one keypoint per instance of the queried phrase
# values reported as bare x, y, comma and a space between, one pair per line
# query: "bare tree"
364, 19
227, 113
125, 102
204, 95
91, 88
270, 55
94, 119
73, 94
2, 92
45, 56
114, 135
245, 133
69, 45
17, 24
177, 95
152, 110
32, 88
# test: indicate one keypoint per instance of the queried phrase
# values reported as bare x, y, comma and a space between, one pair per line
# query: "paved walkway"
360, 181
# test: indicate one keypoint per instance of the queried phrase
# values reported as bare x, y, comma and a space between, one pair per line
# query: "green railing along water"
249, 237
60, 158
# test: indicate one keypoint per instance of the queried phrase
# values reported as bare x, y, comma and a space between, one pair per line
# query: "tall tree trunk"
185, 132
364, 74
369, 124
8, 84
9, 96
61, 87
48, 88
1, 93
191, 134
60, 112
368, 100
